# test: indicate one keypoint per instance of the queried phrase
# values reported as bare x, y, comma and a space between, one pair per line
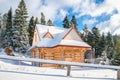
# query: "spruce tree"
110, 41
4, 21
0, 30
115, 37
103, 45
49, 23
110, 45
31, 30
96, 39
116, 58
73, 21
0, 20
43, 22
36, 21
8, 31
3, 29
85, 33
20, 34
66, 22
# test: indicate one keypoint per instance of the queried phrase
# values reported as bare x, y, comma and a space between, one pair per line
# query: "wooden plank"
57, 58
33, 55
51, 65
118, 74
68, 70
77, 54
51, 58
68, 59
57, 54
77, 57
47, 65
48, 54
60, 62
76, 60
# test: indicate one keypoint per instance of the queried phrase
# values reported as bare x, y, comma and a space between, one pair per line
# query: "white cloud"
108, 6
6, 4
104, 27
61, 15
33, 6
89, 7
89, 22
112, 25
57, 10
51, 8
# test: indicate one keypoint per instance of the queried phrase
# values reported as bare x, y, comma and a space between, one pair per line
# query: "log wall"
72, 54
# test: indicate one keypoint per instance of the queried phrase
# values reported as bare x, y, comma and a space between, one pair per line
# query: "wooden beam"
33, 56
39, 55
62, 56
68, 70
118, 74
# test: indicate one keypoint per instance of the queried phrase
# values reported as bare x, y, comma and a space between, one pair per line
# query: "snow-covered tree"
49, 23
3, 28
116, 58
43, 22
0, 29
36, 20
31, 29
110, 45
74, 21
8, 31
96, 39
20, 27
4, 21
66, 22
0, 20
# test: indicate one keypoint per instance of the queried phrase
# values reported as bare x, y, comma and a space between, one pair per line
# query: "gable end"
72, 35
48, 35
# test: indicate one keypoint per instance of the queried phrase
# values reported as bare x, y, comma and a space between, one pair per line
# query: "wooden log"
118, 74
57, 58
68, 59
19, 62
76, 60
48, 65
68, 70
57, 54
33, 56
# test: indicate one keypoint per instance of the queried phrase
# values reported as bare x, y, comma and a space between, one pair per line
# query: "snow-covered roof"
58, 35
55, 31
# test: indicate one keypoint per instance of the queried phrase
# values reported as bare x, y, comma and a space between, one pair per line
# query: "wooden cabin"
55, 43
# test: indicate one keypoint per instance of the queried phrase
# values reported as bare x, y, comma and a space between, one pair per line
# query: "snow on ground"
19, 72
2, 52
9, 70
13, 61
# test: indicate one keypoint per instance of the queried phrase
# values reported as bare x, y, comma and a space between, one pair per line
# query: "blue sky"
104, 14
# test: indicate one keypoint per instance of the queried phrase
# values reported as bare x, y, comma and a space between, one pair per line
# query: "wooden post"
62, 56
118, 74
68, 70
33, 56
39, 56
19, 62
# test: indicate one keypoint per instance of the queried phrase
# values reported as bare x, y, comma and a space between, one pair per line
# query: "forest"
17, 31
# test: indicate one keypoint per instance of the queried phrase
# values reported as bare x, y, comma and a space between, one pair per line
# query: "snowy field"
17, 72
10, 70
